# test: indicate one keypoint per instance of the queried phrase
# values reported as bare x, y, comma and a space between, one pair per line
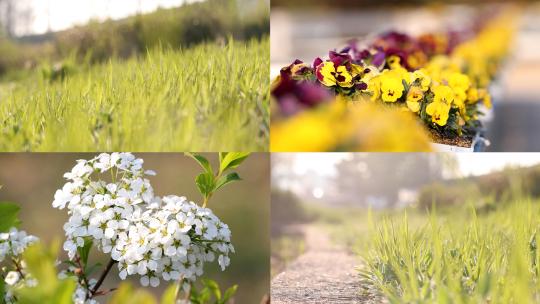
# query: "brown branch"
18, 267
94, 291
103, 292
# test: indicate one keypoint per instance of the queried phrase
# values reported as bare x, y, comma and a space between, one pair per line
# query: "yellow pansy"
443, 94
459, 81
332, 76
356, 69
327, 71
306, 132
391, 88
472, 95
422, 76
343, 77
394, 62
416, 60
400, 73
414, 96
374, 87
439, 112
295, 68
459, 97
487, 101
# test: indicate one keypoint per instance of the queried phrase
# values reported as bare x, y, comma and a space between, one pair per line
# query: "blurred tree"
384, 174
15, 16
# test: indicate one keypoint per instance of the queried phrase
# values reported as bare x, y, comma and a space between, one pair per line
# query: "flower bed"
442, 79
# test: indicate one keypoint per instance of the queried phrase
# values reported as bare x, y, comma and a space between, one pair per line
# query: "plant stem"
177, 290
18, 267
102, 277
82, 275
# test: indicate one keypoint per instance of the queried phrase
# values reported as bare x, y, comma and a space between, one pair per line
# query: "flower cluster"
441, 78
14, 242
341, 126
12, 245
156, 238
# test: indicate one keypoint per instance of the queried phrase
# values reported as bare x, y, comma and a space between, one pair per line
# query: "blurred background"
308, 29
36, 31
342, 189
31, 180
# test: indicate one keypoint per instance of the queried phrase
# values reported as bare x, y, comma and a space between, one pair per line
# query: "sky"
482, 163
321, 163
67, 13
468, 163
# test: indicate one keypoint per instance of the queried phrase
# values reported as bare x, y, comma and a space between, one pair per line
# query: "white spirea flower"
12, 278
12, 245
14, 242
167, 238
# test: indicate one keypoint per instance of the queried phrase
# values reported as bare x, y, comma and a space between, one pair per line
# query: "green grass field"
207, 98
455, 255
459, 257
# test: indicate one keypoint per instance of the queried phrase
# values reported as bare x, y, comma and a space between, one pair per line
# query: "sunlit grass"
208, 98
460, 257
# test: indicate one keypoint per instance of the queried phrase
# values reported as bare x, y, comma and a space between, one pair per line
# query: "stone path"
325, 273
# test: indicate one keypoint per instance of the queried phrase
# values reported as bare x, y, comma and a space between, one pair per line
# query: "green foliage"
210, 293
207, 98
443, 196
188, 25
461, 257
209, 181
169, 296
8, 216
127, 294
85, 250
40, 263
231, 160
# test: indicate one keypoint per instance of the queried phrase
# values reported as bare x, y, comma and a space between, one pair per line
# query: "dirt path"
325, 273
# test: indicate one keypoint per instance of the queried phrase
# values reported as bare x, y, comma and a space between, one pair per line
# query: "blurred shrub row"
194, 23
286, 210
483, 192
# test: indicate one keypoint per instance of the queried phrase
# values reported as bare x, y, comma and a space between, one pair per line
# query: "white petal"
145, 281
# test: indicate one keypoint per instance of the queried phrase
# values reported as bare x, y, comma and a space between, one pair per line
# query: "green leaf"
2, 291
231, 160
213, 287
63, 293
40, 262
201, 160
229, 293
200, 297
169, 296
126, 294
229, 178
205, 183
85, 250
8, 216
222, 156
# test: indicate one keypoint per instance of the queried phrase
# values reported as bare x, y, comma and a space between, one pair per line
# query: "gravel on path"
325, 273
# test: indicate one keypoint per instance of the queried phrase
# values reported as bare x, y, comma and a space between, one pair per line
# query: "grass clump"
207, 98
458, 257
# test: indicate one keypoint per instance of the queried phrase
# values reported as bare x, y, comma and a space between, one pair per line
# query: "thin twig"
102, 277
103, 292
18, 267
82, 276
